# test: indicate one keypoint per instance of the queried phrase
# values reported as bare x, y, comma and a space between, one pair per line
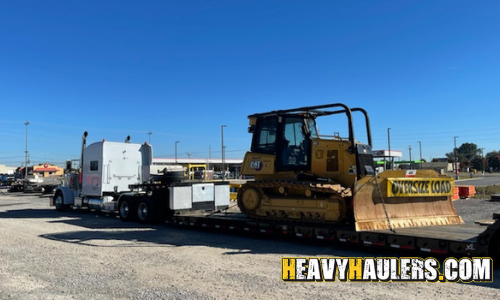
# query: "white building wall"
7, 170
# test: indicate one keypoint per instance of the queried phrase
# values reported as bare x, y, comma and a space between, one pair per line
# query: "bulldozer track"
329, 188
311, 189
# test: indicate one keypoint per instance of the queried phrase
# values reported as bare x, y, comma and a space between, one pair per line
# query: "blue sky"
429, 70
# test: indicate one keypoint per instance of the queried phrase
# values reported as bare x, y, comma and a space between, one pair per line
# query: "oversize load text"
417, 187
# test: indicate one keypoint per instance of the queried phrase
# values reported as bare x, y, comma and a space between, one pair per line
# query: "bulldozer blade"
400, 199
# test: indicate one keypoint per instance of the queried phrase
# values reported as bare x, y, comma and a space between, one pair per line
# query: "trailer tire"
59, 201
127, 209
147, 211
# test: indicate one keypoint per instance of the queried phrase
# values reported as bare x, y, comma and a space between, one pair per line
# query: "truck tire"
59, 201
127, 209
146, 211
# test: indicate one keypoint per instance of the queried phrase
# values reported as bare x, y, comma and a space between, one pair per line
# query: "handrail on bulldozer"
318, 110
367, 121
348, 111
313, 109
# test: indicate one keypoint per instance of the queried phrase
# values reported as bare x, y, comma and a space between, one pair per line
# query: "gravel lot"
83, 255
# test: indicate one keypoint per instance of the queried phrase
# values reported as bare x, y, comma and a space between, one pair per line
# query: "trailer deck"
471, 240
456, 232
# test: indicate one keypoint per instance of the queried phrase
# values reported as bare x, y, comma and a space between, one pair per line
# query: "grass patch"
488, 191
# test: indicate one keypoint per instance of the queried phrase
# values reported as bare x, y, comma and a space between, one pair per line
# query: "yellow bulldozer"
304, 177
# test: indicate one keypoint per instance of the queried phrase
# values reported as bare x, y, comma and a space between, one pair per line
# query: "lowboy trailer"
461, 240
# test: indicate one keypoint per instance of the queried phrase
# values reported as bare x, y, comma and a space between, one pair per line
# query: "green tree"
479, 163
467, 153
493, 159
469, 150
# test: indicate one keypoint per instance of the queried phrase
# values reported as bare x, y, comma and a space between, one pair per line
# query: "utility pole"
150, 133
482, 177
420, 146
409, 148
176, 142
455, 153
389, 144
209, 155
26, 159
482, 160
222, 149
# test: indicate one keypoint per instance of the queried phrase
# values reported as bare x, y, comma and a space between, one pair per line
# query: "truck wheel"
146, 211
59, 201
126, 209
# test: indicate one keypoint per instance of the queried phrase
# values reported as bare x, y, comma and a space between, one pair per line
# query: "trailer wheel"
59, 201
126, 209
146, 211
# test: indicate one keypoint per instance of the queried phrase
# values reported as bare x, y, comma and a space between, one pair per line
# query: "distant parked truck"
44, 185
116, 176
6, 180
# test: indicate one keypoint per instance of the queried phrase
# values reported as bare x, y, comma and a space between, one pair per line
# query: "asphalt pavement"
479, 180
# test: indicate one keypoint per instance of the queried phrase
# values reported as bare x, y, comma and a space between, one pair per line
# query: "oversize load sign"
419, 187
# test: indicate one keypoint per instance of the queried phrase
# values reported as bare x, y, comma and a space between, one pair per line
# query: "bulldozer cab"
286, 137
286, 144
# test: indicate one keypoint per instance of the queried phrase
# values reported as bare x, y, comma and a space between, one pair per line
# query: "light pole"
150, 133
176, 142
26, 152
389, 144
420, 146
455, 154
222, 148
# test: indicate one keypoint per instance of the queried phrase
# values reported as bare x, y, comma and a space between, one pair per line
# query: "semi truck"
117, 177
306, 185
